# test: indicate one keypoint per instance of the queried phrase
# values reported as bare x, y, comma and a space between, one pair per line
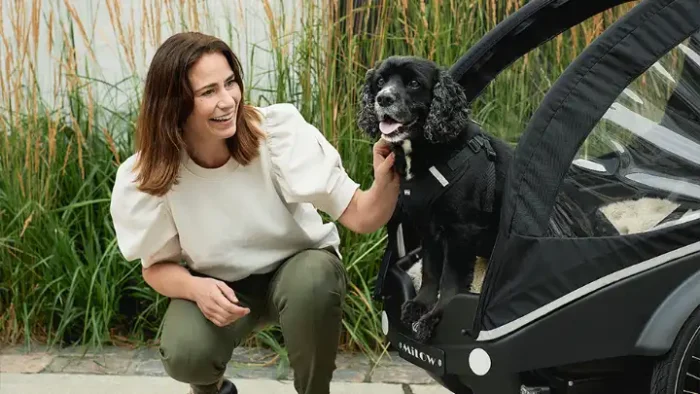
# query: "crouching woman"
219, 203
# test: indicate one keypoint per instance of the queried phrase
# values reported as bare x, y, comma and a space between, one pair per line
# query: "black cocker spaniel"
452, 175
452, 179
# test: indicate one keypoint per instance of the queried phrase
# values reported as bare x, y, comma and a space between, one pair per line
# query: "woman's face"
216, 97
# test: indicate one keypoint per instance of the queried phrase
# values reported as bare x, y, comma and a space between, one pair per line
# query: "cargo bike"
612, 309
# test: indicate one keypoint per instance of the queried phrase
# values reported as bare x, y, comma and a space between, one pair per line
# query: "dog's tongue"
388, 127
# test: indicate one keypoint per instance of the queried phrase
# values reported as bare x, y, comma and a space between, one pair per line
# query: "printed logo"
413, 352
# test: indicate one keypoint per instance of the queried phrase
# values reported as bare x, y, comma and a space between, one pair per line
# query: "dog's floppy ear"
449, 110
367, 116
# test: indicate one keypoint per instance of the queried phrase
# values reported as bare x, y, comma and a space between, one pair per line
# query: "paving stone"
246, 372
99, 364
24, 363
394, 369
347, 374
150, 367
429, 389
351, 367
254, 363
106, 384
356, 360
25, 349
252, 355
246, 363
109, 351
365, 388
146, 353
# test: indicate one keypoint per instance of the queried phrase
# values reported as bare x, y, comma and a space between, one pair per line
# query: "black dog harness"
419, 193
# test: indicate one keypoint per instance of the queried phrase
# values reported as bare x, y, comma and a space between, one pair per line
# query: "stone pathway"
117, 384
254, 366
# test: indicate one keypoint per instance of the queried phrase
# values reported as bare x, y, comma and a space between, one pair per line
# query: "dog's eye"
413, 84
380, 82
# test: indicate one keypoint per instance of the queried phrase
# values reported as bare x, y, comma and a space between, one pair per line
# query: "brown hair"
167, 102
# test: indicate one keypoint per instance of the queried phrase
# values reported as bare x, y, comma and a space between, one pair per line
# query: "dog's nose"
385, 99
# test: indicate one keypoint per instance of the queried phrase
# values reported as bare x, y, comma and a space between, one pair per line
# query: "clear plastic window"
639, 169
506, 105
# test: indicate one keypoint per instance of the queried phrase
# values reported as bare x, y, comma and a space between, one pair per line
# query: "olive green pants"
304, 296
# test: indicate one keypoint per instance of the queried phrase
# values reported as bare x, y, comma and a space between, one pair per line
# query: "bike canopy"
614, 145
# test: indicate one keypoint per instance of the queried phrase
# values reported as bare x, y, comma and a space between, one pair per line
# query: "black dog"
452, 175
452, 179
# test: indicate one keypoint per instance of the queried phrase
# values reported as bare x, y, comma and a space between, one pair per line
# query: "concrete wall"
241, 23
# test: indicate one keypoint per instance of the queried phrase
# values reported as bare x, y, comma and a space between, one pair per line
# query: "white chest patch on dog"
407, 149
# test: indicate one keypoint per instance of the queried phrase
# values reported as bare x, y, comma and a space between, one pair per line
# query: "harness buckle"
478, 142
490, 152
474, 145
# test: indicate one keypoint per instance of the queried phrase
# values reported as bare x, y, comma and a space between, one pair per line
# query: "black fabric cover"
544, 269
528, 269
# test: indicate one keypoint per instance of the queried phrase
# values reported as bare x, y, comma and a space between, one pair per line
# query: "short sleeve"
143, 224
306, 166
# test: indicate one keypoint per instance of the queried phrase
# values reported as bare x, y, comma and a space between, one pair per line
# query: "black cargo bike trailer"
594, 312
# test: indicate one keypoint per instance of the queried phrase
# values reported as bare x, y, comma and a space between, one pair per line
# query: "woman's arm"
308, 169
371, 209
170, 280
215, 299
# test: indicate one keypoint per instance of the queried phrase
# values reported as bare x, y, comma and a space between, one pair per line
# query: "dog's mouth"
389, 125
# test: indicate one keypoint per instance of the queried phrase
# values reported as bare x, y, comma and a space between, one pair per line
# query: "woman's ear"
367, 116
449, 110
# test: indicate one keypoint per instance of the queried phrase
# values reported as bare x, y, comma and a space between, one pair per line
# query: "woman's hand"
214, 298
217, 301
369, 210
383, 163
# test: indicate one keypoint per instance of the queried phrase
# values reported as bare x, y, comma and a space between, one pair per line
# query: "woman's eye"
231, 82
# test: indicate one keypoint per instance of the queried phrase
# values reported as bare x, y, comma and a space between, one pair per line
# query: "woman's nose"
226, 99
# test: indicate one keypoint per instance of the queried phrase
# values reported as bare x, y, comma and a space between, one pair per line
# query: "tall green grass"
62, 279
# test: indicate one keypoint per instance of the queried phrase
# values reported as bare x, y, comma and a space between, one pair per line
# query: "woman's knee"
190, 362
315, 281
191, 350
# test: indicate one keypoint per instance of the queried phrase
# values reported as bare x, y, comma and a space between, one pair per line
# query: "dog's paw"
424, 328
411, 311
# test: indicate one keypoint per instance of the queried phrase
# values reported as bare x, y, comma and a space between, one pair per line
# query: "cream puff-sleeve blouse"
233, 221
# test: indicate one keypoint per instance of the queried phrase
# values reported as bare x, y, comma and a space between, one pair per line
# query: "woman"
231, 191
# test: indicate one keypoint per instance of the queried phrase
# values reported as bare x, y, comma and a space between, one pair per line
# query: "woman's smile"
224, 121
